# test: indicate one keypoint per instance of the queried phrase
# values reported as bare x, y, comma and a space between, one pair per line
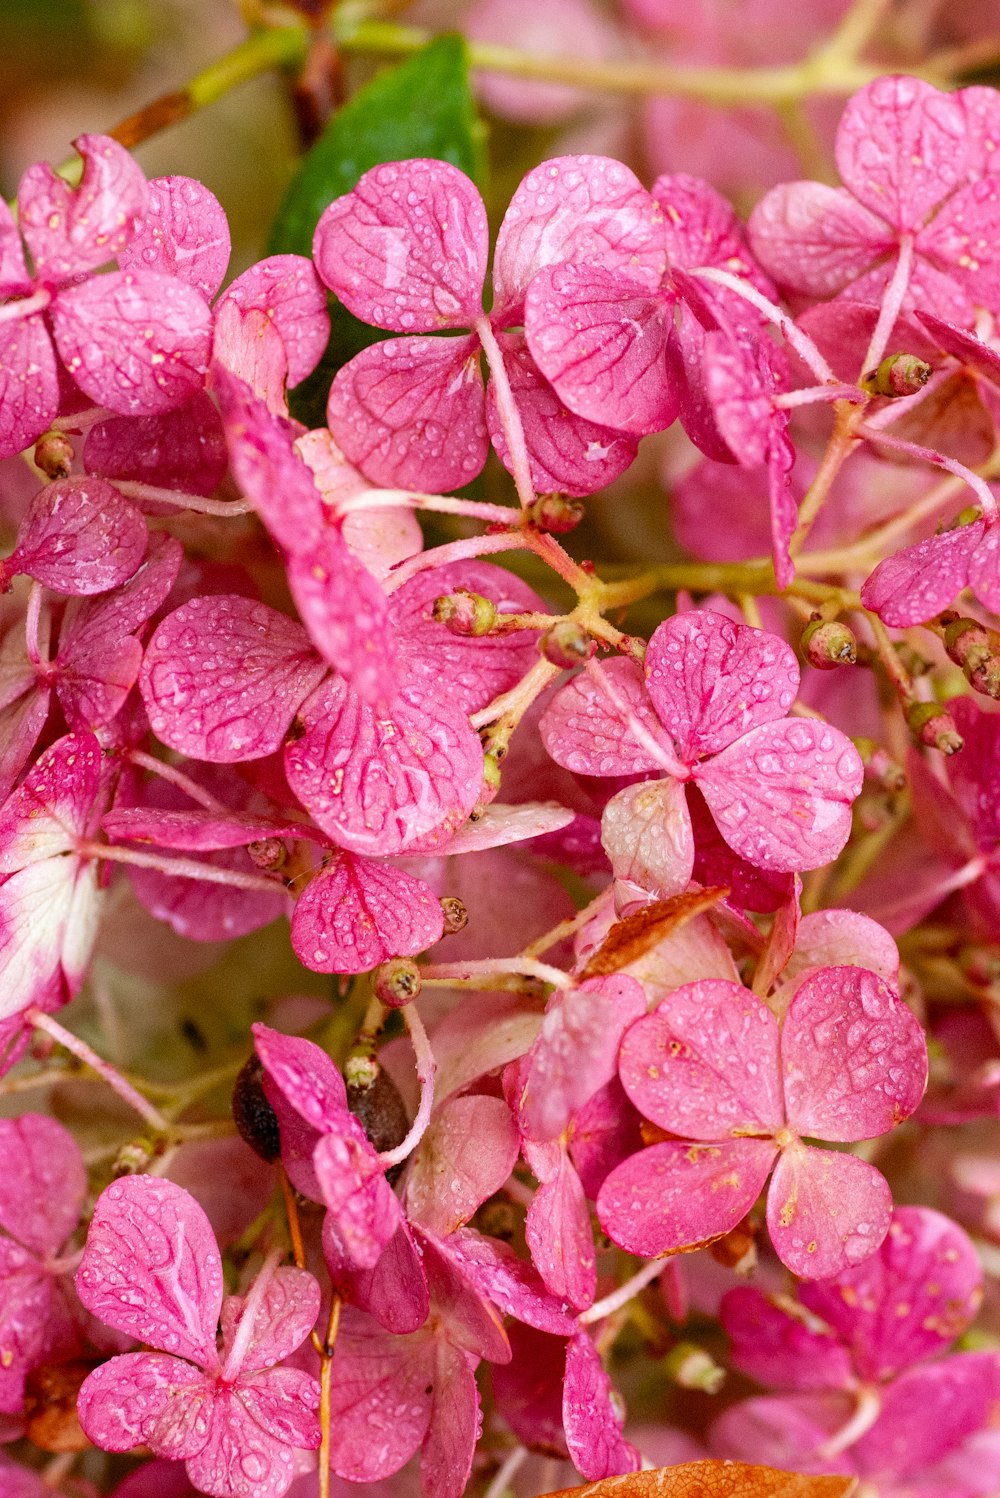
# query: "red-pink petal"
825, 1211
382, 1386
345, 612
183, 232
984, 569
14, 278
466, 1155
410, 413
53, 805
646, 833
78, 536
305, 1075
283, 1402
559, 1236
43, 1182
364, 1212
182, 449
69, 230
407, 249
919, 581
593, 1416
926, 1415
287, 290
357, 914
266, 465
29, 383
583, 730
815, 238
775, 1346
249, 346
240, 1458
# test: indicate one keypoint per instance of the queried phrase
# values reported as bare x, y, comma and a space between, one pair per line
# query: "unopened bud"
556, 513
397, 982
567, 644
455, 914
267, 853
827, 643
977, 650
897, 375
54, 455
256, 1121
932, 725
133, 1158
465, 613
691, 1367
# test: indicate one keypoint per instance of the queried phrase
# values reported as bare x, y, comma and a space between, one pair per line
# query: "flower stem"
132, 489
510, 416
325, 1378
426, 1068
800, 342
624, 1293
181, 868
41, 1021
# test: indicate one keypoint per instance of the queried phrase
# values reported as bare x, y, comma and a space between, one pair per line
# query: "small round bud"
932, 725
54, 455
465, 613
556, 513
567, 644
690, 1366
133, 1158
977, 650
267, 853
397, 982
455, 914
256, 1121
898, 375
827, 644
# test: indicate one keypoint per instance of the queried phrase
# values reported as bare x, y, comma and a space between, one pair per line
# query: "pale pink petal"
239, 1458
29, 383
711, 680
787, 1433
35, 906
782, 794
43, 1181
558, 1234
984, 569
285, 1316
466, 1155
134, 341
364, 1211
919, 581
248, 346
358, 913
53, 804
69, 230
576, 210
151, 1268
854, 1057
182, 449
381, 1398
593, 1416
376, 780
501, 825
962, 240
79, 536
646, 833
774, 1346
675, 1195
583, 730
183, 232
825, 1211
705, 1064
927, 1414
603, 340
908, 1301
346, 615
410, 413
287, 290
567, 453
407, 249
381, 538
146, 1399
902, 147
816, 239
828, 938
223, 677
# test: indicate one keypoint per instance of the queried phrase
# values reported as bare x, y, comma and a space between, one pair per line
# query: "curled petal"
357, 914
183, 232
69, 230
365, 1212
919, 581
826, 1211
287, 290
592, 1416
29, 383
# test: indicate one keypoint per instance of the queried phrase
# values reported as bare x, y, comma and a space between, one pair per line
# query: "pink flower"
152, 1269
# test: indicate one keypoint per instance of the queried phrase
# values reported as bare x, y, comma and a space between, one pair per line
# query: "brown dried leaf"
712, 1479
634, 935
50, 1404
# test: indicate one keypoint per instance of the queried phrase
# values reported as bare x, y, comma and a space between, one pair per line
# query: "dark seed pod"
378, 1108
255, 1119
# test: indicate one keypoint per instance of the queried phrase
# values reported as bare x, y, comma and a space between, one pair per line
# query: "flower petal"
69, 230
183, 232
826, 1211
358, 913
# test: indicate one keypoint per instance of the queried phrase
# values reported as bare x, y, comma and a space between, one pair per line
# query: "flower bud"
455, 914
397, 982
133, 1158
932, 725
267, 853
465, 613
828, 643
567, 644
54, 455
897, 375
256, 1121
977, 650
690, 1366
556, 513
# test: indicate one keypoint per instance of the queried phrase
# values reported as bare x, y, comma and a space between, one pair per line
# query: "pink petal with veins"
558, 1234
380, 1383
38, 1324
583, 730
364, 1211
394, 1292
466, 1317
266, 465
576, 210
711, 680
501, 825
249, 346
705, 1064
715, 863
567, 453
287, 290
605, 342
407, 249
854, 1058
284, 1318
305, 1075
815, 238
921, 580
14, 278
357, 913
346, 615
528, 1391
510, 1282
825, 1211
223, 677
775, 1347
965, 347
376, 780
183, 232
467, 1154
646, 833
242, 1459
782, 794
69, 230
48, 922
675, 1195
902, 147
908, 1301
147, 1399
830, 938
208, 912
151, 1268
134, 341
962, 240
29, 383
701, 228
592, 1416
193, 831
410, 413
283, 1402
78, 536
43, 1182
182, 449
53, 805
606, 1130
927, 1414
